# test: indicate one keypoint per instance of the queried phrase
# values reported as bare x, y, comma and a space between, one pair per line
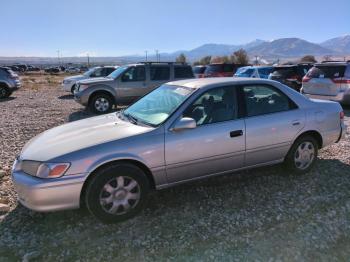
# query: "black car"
31, 68
54, 70
290, 75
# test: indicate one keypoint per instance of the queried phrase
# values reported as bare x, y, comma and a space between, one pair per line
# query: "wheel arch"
315, 134
105, 92
137, 163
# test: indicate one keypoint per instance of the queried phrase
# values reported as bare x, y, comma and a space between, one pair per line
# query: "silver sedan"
182, 131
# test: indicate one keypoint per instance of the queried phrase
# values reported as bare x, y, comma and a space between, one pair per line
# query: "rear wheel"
101, 103
117, 192
4, 92
302, 155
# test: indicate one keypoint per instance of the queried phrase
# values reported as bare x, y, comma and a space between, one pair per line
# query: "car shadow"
7, 99
234, 198
66, 97
81, 114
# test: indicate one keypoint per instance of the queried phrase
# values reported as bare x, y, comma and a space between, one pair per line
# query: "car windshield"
116, 73
244, 72
199, 69
89, 72
154, 108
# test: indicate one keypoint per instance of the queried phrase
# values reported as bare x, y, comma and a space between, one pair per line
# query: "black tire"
291, 160
95, 190
73, 88
4, 92
96, 108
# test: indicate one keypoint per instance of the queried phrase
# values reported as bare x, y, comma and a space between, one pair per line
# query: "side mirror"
93, 75
184, 123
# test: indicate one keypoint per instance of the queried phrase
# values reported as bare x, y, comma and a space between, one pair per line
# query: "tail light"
340, 81
341, 115
306, 79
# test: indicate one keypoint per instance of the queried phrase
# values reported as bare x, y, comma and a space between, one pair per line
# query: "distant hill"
288, 47
283, 48
340, 44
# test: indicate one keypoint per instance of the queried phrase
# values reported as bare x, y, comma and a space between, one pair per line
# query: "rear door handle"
236, 133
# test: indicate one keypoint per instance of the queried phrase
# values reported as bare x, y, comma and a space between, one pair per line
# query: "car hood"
78, 77
96, 80
78, 135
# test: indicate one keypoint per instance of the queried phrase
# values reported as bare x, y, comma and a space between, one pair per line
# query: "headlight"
40, 169
82, 87
52, 170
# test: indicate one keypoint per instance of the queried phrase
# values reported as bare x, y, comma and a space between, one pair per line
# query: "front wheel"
73, 89
101, 104
117, 192
302, 155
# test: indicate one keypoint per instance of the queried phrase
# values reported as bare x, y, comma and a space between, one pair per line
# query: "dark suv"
290, 75
220, 70
9, 82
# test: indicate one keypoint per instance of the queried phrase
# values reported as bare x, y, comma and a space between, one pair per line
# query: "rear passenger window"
183, 72
160, 72
263, 99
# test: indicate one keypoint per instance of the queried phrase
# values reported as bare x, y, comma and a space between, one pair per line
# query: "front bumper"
48, 194
67, 87
81, 97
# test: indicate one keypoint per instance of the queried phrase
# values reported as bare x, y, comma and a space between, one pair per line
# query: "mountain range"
283, 48
279, 48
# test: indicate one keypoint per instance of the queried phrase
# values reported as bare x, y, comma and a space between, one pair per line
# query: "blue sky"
120, 27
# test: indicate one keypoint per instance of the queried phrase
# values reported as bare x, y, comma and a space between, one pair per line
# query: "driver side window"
134, 74
97, 73
216, 105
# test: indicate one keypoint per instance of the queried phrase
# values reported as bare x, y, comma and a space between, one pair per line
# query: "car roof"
332, 64
198, 83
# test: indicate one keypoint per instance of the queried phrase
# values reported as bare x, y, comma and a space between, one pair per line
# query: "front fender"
91, 90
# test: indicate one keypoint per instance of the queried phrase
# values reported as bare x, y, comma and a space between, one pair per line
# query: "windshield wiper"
131, 118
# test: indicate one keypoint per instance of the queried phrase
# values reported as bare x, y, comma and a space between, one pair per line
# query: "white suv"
69, 83
329, 81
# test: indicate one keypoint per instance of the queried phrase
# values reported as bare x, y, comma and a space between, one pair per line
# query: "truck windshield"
154, 108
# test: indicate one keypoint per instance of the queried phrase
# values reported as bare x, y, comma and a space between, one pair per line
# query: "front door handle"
296, 123
236, 133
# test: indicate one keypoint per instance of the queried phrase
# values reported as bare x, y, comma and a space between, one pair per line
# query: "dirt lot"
264, 214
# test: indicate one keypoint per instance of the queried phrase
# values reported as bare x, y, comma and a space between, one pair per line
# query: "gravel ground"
264, 214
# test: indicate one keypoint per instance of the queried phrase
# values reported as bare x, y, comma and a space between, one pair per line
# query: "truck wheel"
117, 192
101, 103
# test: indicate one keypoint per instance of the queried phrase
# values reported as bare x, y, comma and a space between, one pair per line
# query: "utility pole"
146, 54
157, 55
88, 59
58, 57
